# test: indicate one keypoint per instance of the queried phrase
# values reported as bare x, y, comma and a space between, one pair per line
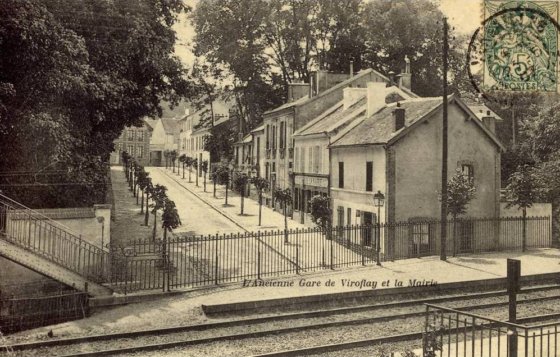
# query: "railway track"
392, 316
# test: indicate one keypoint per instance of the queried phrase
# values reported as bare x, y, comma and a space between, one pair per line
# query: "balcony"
290, 153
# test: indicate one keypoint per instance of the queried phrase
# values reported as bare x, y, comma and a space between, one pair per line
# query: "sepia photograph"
266, 178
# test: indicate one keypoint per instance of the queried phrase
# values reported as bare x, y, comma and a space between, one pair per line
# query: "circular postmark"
515, 49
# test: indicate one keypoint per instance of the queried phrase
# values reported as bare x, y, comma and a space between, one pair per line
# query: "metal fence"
189, 261
449, 332
34, 231
21, 313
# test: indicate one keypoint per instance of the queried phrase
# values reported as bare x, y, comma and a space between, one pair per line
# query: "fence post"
259, 255
332, 247
216, 260
362, 251
297, 250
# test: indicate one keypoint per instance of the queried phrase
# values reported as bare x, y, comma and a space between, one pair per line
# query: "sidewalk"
186, 309
249, 221
129, 222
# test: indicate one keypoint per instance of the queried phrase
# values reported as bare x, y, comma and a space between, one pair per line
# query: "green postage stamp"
520, 41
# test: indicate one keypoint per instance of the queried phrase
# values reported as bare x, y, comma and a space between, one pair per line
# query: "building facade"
136, 142
165, 137
397, 151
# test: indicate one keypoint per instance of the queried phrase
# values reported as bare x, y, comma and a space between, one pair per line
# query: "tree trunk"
214, 181
190, 171
136, 190
227, 187
173, 166
524, 229
147, 210
242, 202
183, 170
155, 225
142, 204
205, 182
196, 175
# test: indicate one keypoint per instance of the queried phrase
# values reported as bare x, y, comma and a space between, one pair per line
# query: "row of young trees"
140, 183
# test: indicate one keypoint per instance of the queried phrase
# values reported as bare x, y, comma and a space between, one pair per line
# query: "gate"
454, 333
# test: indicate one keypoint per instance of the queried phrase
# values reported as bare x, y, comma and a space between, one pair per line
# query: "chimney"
187, 111
350, 95
489, 121
297, 90
375, 97
398, 117
405, 78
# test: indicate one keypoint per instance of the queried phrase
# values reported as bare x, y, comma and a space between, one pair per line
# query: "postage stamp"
519, 46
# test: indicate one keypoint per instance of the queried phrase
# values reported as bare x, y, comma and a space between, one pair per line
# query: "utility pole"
443, 245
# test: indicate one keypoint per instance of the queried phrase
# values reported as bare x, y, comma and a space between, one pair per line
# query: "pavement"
185, 309
249, 221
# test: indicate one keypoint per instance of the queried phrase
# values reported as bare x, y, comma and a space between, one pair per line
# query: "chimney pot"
399, 117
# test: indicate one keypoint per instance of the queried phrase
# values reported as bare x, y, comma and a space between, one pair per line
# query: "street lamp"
378, 201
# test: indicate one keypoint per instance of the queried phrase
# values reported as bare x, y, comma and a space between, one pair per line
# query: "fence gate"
453, 333
138, 266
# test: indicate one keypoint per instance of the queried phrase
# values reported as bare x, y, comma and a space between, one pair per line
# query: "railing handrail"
461, 312
44, 217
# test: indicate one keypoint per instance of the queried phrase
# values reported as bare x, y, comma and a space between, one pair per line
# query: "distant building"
164, 137
135, 141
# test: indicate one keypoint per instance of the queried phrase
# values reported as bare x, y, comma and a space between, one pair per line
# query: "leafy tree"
261, 184
125, 161
214, 175
223, 177
149, 191
194, 163
166, 154
170, 217
240, 180
142, 182
182, 160
159, 198
393, 29
460, 191
522, 192
220, 142
204, 168
189, 163
321, 213
173, 158
285, 199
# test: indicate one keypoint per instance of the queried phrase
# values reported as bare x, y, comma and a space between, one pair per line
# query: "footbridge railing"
35, 232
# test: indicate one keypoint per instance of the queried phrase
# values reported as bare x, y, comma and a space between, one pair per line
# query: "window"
468, 171
369, 176
302, 161
130, 150
258, 150
130, 135
297, 158
310, 154
273, 137
267, 137
341, 175
140, 135
139, 152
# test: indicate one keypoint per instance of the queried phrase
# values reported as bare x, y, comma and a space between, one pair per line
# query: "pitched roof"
150, 122
170, 125
333, 118
378, 128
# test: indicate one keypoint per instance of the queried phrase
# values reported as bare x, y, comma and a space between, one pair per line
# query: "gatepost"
513, 287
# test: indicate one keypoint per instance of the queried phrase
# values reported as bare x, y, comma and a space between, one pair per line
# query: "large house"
135, 140
311, 142
306, 102
396, 149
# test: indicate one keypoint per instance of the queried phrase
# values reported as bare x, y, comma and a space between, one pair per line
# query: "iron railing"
186, 261
449, 332
35, 232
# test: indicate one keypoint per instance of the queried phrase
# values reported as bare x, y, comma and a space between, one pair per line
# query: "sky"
464, 15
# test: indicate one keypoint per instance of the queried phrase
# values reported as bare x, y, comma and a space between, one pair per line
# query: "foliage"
170, 217
159, 197
204, 166
220, 142
221, 174
284, 196
521, 189
240, 180
320, 211
260, 183
393, 29
460, 191
72, 76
